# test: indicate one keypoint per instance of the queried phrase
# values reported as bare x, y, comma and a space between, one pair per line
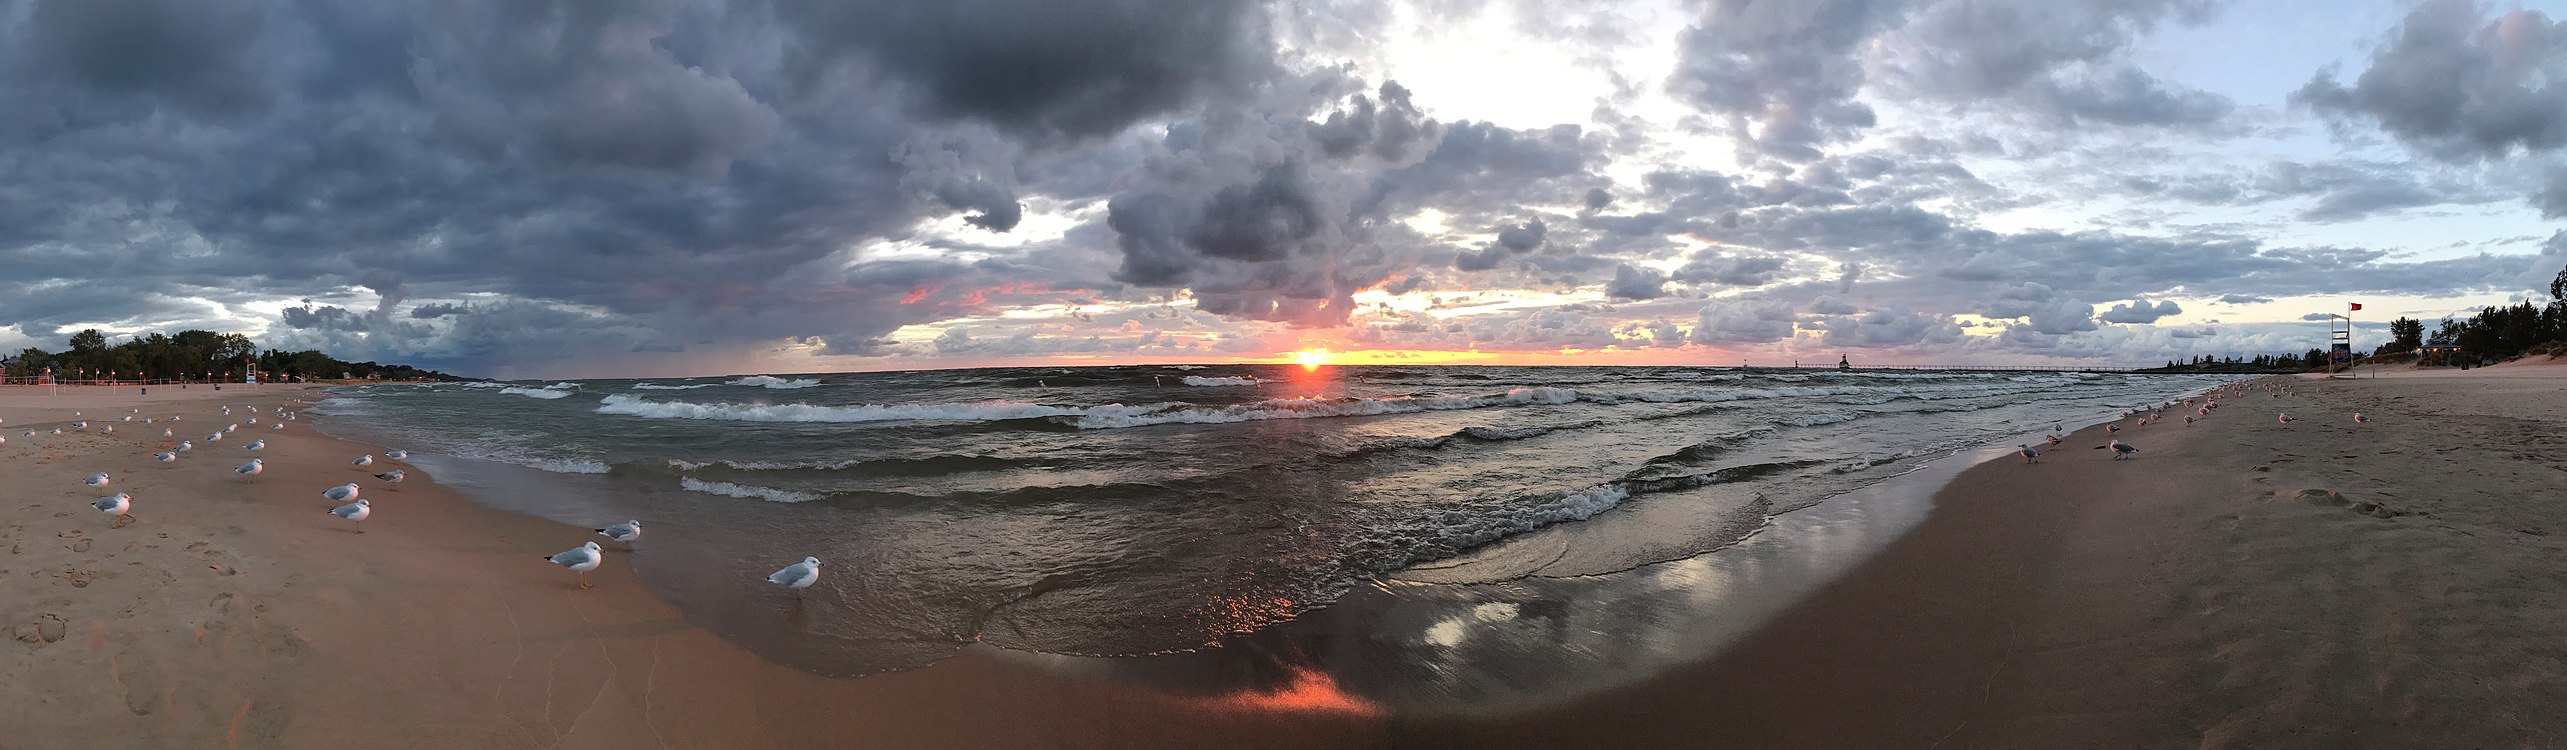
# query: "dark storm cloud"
1043, 68
1783, 75
2140, 311
652, 171
2463, 87
2458, 83
2062, 60
1636, 283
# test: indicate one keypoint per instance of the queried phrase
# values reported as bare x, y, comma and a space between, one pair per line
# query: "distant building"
1844, 363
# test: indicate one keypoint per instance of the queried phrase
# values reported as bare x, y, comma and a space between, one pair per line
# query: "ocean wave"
770, 381
658, 387
981, 412
728, 489
542, 393
1185, 367
1814, 420
1198, 380
1320, 408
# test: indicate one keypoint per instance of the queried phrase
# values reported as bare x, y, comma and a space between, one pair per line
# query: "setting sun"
1311, 359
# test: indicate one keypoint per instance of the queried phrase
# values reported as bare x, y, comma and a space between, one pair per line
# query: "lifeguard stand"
2339, 351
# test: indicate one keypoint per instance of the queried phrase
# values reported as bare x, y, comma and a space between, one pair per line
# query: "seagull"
396, 455
254, 420
2286, 419
227, 411
797, 576
2359, 419
214, 438
120, 505
235, 427
390, 477
625, 532
356, 511
107, 430
276, 425
186, 446
2029, 455
80, 425
582, 558
96, 480
364, 460
57, 430
255, 445
165, 432
2052, 440
129, 418
2188, 420
341, 493
250, 469
2110, 429
2121, 450
174, 417
165, 456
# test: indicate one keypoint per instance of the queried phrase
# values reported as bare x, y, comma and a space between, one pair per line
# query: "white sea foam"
768, 494
770, 381
1317, 408
1199, 380
980, 412
1185, 367
542, 393
659, 387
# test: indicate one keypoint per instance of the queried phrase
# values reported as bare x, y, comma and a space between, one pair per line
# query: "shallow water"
1123, 511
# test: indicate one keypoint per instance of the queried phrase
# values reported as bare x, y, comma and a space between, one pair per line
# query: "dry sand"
2192, 596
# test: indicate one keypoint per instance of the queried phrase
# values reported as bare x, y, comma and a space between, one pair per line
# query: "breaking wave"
770, 381
658, 387
553, 392
1199, 380
768, 494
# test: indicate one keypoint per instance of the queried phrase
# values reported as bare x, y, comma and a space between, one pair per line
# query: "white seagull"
2286, 419
214, 438
364, 460
625, 532
165, 456
250, 469
2029, 455
391, 477
2120, 450
186, 446
341, 493
356, 511
582, 558
96, 480
2359, 419
397, 455
797, 576
255, 445
119, 505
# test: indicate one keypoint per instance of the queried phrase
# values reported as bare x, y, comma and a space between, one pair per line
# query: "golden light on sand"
1311, 359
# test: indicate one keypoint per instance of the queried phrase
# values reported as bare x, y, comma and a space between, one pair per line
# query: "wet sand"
2194, 595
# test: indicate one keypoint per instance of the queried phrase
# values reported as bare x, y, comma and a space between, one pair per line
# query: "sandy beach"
2239, 583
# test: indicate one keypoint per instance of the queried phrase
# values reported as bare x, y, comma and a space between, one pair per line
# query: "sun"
1311, 359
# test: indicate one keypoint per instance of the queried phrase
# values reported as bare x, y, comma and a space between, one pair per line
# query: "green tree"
2405, 335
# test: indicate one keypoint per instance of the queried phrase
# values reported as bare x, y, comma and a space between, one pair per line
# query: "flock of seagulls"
2207, 402
356, 509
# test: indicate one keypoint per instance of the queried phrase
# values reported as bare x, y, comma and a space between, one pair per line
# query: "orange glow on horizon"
1311, 359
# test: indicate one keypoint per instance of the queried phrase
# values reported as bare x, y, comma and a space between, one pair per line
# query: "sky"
645, 188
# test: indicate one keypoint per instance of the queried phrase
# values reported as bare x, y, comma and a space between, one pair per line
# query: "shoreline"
2020, 610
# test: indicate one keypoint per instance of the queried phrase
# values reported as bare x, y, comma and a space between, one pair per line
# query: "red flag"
2357, 307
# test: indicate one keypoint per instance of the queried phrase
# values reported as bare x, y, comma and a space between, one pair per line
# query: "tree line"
2313, 359
194, 355
2497, 332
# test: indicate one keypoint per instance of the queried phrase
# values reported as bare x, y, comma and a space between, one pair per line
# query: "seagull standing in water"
582, 558
2029, 455
120, 505
356, 511
250, 469
626, 532
797, 576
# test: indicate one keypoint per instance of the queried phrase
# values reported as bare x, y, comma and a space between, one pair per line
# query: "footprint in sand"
47, 628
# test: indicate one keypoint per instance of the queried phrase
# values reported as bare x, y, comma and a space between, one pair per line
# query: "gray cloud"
2140, 311
1636, 283
1784, 75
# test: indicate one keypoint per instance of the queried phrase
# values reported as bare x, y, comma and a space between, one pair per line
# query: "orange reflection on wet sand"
1311, 691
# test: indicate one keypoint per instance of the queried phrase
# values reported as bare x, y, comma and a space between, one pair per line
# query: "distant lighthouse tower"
1843, 363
